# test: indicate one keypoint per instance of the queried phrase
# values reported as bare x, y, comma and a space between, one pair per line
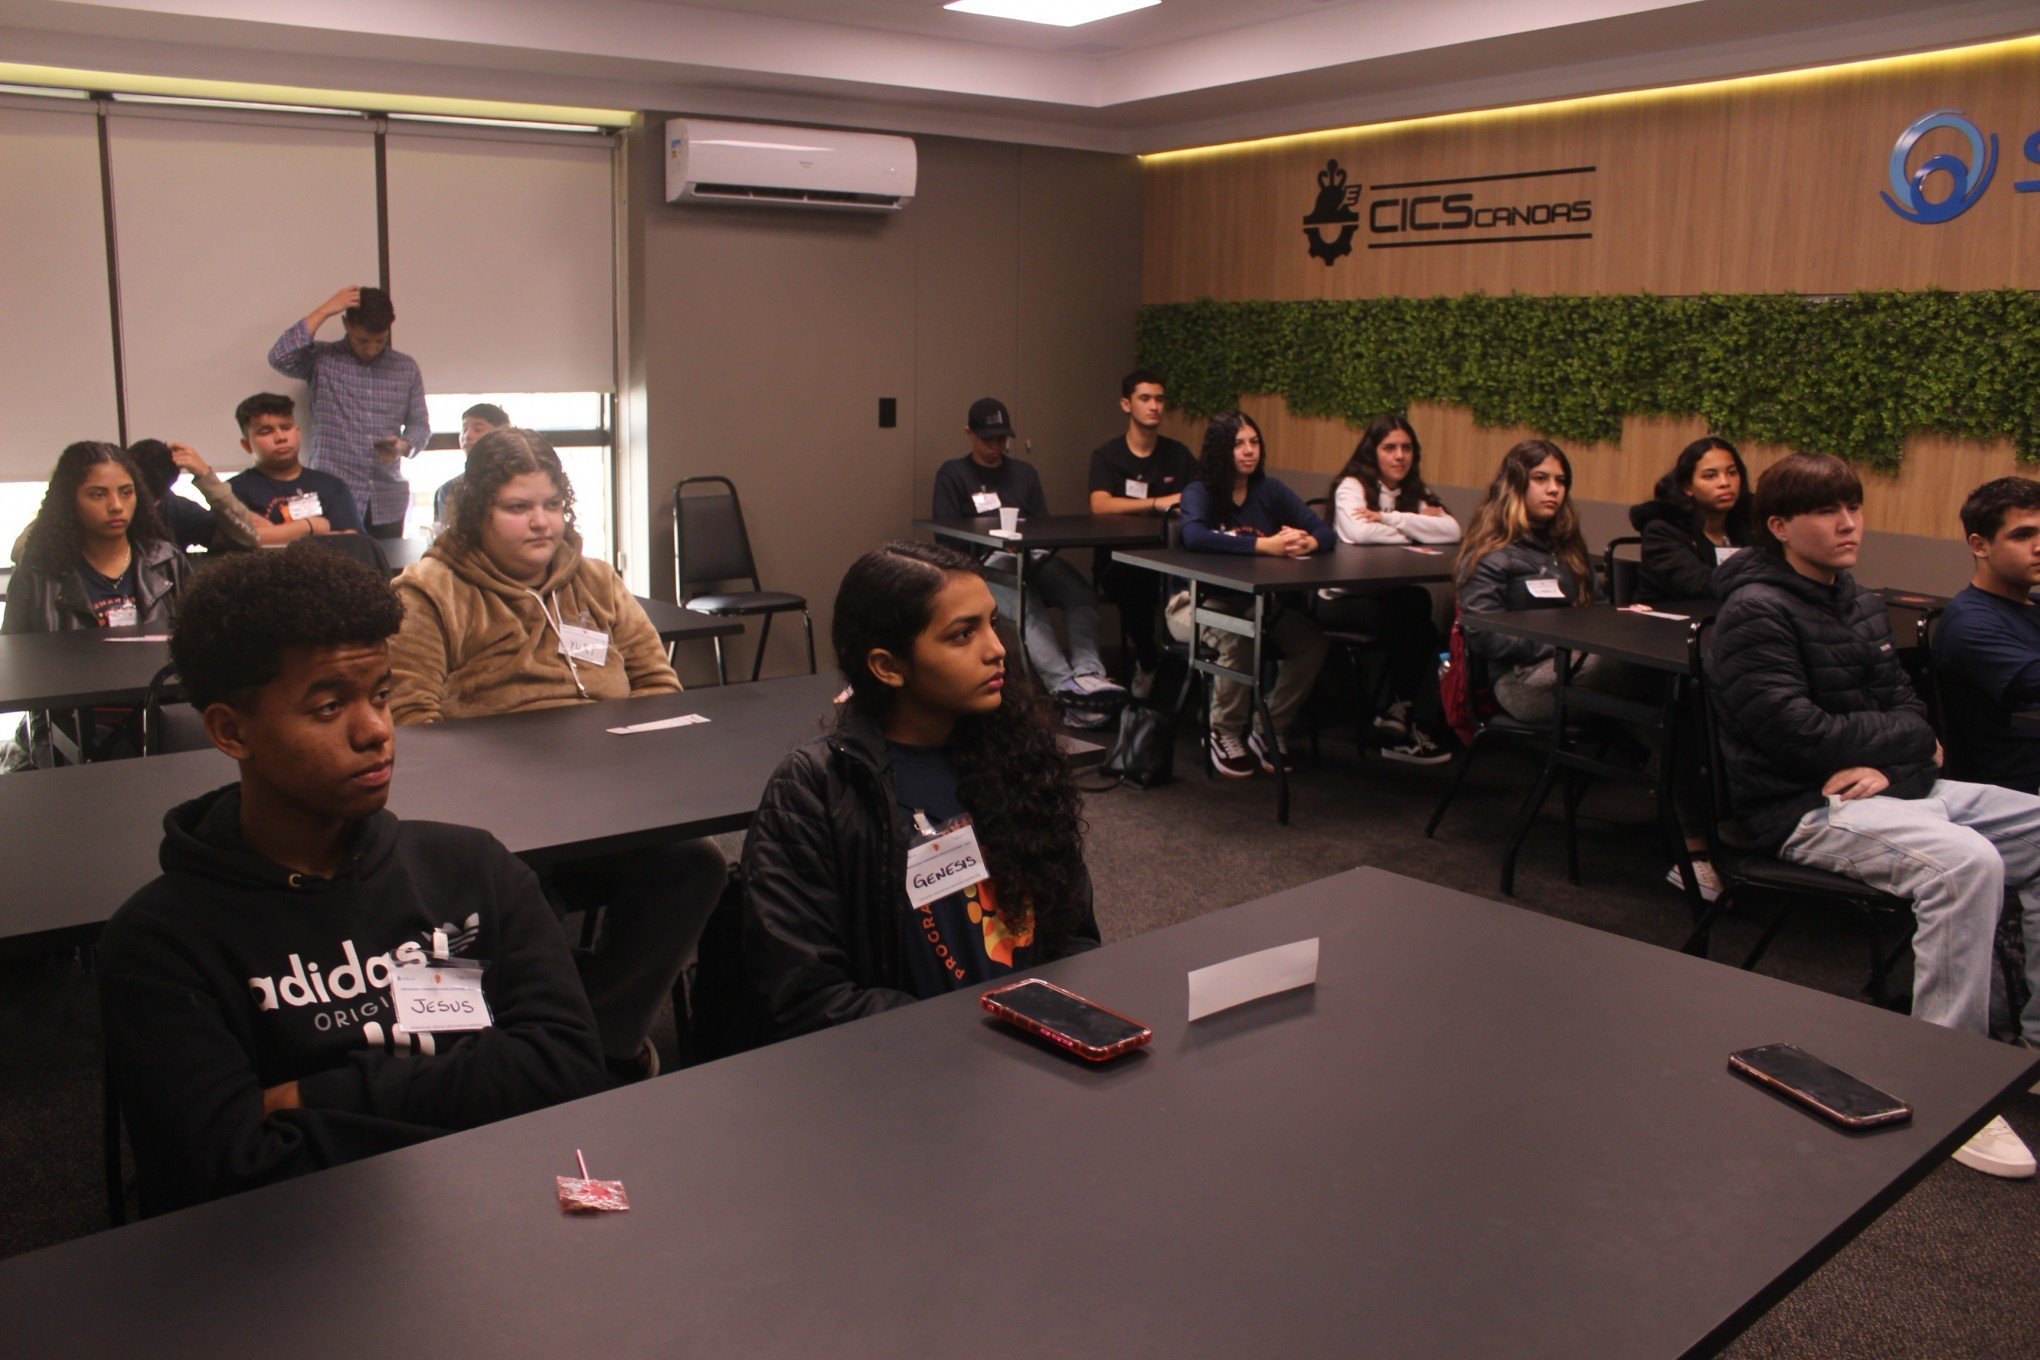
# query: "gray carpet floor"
1952, 1270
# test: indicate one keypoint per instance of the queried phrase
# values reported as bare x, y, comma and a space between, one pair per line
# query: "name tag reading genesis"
1136, 490
584, 644
987, 502
1545, 588
439, 995
303, 506
942, 862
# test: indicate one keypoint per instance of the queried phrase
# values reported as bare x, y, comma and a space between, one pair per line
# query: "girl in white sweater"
1379, 497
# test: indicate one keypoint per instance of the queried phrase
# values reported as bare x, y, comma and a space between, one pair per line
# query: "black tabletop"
81, 667
1659, 638
1054, 531
678, 623
550, 785
1370, 1168
1344, 565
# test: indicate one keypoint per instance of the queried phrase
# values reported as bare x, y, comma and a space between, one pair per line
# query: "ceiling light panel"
1061, 13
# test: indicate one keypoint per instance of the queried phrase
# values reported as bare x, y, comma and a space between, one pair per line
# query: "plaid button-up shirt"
353, 405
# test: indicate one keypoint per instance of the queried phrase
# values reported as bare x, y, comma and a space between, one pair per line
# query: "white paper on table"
684, 720
1252, 976
1004, 533
145, 637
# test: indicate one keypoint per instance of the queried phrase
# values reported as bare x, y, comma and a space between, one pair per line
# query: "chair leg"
722, 672
758, 657
116, 1190
1461, 765
809, 620
1770, 933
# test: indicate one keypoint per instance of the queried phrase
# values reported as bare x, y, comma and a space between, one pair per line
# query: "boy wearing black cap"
981, 483
310, 980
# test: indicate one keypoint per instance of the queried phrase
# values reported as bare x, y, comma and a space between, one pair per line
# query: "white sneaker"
1997, 1151
1416, 749
1703, 871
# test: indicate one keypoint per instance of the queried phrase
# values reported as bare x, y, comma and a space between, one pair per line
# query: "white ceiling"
1185, 72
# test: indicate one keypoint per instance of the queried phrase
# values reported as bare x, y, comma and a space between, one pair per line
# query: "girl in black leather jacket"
935, 738
96, 556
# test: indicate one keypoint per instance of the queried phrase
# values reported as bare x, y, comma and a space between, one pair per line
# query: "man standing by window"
367, 402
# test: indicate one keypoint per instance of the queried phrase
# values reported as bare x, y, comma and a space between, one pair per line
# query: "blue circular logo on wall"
1966, 179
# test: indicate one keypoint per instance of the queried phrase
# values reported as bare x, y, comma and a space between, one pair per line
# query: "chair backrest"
1623, 573
361, 547
163, 686
710, 544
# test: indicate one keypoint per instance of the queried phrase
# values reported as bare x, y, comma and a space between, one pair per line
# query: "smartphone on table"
1829, 1092
1065, 1019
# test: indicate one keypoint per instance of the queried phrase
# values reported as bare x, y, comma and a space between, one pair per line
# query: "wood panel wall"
1768, 185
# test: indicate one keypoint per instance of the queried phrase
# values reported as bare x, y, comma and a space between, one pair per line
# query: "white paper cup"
1009, 518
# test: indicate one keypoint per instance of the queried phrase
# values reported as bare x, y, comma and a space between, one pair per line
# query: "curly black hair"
497, 458
1217, 470
1010, 769
241, 615
53, 539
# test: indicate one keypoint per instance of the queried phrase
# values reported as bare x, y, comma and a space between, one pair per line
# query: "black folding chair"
711, 547
1623, 574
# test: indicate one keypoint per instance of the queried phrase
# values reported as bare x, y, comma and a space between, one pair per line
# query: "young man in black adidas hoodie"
247, 991
1831, 763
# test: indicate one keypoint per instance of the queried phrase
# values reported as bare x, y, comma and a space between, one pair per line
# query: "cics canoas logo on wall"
1467, 210
1913, 191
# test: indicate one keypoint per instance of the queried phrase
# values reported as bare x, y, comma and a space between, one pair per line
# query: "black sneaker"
1416, 749
1265, 757
1229, 757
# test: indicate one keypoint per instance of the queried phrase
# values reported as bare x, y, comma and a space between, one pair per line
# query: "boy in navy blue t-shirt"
289, 500
1987, 646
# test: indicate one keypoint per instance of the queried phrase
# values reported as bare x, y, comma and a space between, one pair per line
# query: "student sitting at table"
1234, 506
1379, 497
1140, 472
1523, 550
1987, 644
484, 417
1699, 517
504, 614
95, 555
222, 522
252, 1033
937, 742
980, 483
1831, 762
289, 500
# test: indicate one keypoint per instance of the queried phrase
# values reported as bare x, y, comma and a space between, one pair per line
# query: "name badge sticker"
1136, 490
303, 506
945, 861
589, 645
439, 996
122, 616
1545, 587
987, 502
1723, 554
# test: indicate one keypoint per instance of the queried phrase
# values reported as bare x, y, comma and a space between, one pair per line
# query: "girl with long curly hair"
935, 742
1698, 518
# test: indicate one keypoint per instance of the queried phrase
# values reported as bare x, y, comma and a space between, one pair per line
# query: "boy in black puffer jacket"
1830, 759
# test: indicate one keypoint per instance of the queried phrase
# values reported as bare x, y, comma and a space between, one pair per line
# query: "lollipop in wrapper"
580, 1195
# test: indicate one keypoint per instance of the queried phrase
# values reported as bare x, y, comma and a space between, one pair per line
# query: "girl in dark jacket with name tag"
1700, 518
1523, 550
96, 556
933, 839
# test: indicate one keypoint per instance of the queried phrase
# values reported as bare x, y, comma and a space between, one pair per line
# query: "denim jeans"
1057, 585
1953, 853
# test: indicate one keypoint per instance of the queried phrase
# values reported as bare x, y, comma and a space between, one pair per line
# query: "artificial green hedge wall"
1851, 376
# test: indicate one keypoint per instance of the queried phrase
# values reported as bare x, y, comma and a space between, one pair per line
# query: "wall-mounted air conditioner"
767, 165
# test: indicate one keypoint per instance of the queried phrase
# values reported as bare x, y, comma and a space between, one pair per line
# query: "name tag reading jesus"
439, 995
942, 862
